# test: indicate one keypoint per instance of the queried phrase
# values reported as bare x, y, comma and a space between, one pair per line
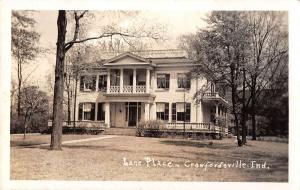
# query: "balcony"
214, 96
127, 89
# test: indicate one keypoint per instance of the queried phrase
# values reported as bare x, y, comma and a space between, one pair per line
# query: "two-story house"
127, 88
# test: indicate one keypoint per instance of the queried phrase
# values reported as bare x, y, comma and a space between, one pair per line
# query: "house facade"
127, 88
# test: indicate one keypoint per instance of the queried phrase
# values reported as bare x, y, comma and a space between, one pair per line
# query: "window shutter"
188, 82
167, 80
93, 112
166, 112
80, 111
81, 83
188, 112
174, 112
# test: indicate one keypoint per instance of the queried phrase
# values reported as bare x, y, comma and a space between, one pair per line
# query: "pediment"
127, 58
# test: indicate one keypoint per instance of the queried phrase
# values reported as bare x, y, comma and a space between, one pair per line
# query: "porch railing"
191, 126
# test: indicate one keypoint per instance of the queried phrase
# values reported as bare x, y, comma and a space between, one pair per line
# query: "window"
212, 88
163, 80
115, 78
162, 111
102, 84
181, 112
86, 111
183, 80
88, 83
101, 112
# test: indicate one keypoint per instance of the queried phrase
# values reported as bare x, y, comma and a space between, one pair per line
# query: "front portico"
128, 97
126, 114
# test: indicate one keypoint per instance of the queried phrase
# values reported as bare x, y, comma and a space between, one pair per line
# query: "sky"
176, 22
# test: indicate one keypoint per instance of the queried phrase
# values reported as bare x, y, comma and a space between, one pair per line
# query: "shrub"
150, 128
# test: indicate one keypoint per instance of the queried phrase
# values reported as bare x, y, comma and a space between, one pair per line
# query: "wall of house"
199, 112
173, 94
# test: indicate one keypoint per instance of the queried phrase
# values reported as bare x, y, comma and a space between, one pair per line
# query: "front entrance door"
133, 109
132, 116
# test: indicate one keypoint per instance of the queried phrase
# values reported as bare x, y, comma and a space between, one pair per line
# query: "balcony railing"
127, 89
213, 95
114, 89
140, 89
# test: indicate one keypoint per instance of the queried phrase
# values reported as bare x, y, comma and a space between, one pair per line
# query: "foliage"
34, 112
243, 50
149, 128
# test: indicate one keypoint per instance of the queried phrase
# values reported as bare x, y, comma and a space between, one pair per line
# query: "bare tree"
268, 49
24, 45
63, 47
219, 52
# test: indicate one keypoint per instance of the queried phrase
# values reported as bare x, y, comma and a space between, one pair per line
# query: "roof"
152, 57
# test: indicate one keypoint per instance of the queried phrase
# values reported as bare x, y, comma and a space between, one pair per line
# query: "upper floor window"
102, 83
183, 80
88, 83
115, 78
163, 80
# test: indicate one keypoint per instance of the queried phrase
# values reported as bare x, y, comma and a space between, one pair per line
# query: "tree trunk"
25, 126
253, 105
244, 127
19, 86
253, 119
234, 101
75, 99
56, 136
69, 101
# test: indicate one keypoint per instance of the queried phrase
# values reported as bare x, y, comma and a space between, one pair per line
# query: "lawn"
151, 159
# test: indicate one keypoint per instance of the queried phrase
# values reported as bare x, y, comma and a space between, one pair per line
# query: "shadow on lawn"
86, 147
25, 143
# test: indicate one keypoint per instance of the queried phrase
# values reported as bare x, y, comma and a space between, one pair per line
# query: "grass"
103, 159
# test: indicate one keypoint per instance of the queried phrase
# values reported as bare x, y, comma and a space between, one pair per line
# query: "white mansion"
127, 88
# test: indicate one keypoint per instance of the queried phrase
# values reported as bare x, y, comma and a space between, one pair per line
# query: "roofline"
126, 54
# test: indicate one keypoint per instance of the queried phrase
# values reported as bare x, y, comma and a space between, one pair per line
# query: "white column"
153, 81
108, 81
147, 80
147, 111
96, 110
107, 114
217, 113
97, 83
137, 113
134, 80
121, 80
